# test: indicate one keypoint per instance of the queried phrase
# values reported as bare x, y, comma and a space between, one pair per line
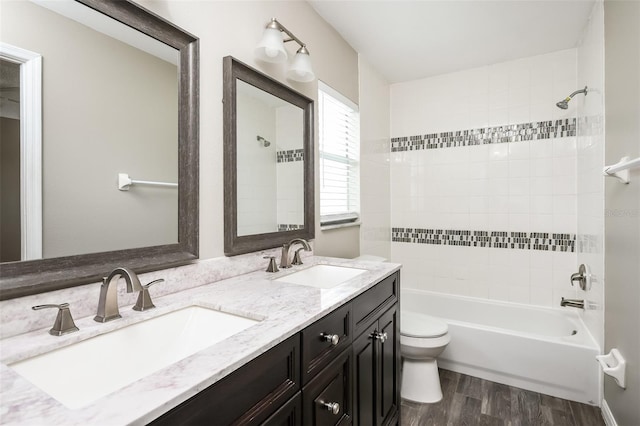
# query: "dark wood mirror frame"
233, 244
25, 278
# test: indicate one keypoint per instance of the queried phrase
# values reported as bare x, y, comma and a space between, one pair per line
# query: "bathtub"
540, 349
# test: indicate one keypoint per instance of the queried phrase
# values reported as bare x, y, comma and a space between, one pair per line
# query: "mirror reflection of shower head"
564, 104
265, 143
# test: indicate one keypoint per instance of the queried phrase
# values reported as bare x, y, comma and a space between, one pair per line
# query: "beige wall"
622, 204
234, 28
107, 108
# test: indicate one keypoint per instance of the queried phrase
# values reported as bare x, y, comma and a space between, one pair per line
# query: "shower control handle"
582, 277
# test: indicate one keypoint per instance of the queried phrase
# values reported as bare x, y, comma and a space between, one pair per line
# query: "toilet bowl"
422, 339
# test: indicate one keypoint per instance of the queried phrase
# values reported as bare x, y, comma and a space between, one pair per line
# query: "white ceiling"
407, 40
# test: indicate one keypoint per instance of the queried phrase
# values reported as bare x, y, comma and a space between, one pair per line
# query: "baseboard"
607, 415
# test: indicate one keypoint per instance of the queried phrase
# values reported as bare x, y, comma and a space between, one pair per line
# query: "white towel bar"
124, 182
620, 170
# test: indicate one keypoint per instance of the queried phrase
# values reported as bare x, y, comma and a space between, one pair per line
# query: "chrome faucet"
284, 260
573, 303
108, 302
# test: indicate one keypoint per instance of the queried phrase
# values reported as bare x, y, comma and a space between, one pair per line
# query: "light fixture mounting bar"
275, 24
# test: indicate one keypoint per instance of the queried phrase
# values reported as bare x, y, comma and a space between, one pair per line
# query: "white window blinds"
339, 122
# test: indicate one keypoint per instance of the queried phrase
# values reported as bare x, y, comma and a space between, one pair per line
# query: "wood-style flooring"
470, 401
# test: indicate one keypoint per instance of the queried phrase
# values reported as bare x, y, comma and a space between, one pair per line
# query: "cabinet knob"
332, 407
333, 338
380, 336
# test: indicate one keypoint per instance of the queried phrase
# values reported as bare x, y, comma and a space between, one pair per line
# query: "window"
339, 123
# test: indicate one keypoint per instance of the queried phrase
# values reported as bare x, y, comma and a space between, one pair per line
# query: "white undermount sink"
322, 276
83, 372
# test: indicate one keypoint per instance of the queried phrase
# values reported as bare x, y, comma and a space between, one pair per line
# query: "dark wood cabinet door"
388, 357
327, 398
289, 414
364, 375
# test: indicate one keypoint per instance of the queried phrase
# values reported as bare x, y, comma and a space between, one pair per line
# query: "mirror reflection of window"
270, 183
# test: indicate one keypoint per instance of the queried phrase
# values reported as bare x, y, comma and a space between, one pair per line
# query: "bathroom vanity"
342, 369
314, 356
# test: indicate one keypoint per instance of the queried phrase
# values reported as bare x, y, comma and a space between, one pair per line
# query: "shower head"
265, 143
564, 104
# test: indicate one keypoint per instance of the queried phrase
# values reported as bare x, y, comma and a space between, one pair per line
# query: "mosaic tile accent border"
589, 244
288, 227
544, 241
289, 155
536, 130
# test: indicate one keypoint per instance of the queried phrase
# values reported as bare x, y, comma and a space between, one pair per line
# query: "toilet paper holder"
614, 365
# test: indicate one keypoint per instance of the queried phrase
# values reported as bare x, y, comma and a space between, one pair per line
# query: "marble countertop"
285, 309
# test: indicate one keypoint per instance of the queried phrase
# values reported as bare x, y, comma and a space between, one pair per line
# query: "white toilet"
422, 340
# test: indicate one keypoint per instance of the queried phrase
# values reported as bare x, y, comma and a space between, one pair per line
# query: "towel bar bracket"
125, 182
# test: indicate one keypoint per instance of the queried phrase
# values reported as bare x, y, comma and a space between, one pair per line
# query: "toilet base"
420, 381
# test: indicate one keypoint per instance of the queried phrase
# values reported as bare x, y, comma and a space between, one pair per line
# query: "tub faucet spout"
573, 303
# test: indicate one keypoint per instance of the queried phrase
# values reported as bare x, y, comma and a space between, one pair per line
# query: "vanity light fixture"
271, 49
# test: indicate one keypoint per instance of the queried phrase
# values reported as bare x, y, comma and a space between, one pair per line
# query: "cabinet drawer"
317, 348
326, 400
367, 307
247, 396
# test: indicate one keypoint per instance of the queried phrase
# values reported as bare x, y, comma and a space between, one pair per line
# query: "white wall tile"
498, 152
498, 116
519, 186
498, 221
519, 168
541, 167
541, 222
541, 204
519, 222
519, 294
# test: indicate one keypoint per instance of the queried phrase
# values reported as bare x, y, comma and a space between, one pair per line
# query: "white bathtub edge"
607, 415
510, 380
510, 357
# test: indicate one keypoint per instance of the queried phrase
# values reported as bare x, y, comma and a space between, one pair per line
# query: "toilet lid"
413, 324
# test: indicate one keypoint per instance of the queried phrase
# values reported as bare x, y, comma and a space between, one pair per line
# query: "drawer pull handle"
332, 407
333, 338
380, 336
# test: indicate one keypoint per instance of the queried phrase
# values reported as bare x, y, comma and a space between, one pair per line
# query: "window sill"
340, 225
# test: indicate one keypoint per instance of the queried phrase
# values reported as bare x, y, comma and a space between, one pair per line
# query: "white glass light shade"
300, 69
271, 47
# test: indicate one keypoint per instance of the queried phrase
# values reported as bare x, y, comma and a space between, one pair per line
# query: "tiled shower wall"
590, 182
483, 180
375, 233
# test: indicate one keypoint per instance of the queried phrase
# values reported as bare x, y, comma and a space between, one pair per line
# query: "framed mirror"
268, 161
120, 148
